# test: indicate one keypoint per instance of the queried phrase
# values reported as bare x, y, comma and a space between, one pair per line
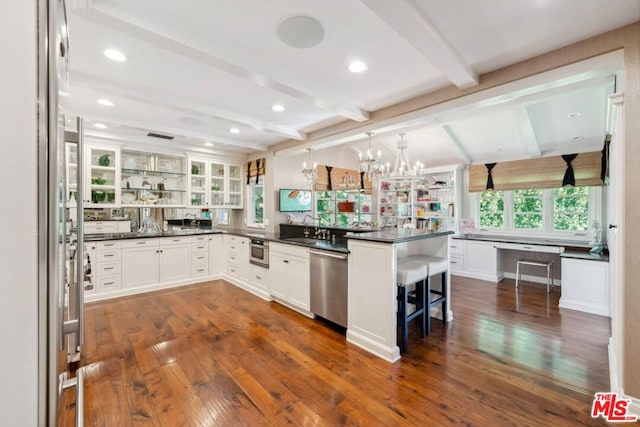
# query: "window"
255, 202
527, 209
571, 209
559, 211
492, 209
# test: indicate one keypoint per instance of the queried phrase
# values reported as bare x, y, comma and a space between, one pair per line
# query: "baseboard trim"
390, 354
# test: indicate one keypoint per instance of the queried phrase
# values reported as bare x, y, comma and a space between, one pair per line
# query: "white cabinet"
140, 263
102, 176
236, 257
107, 266
199, 256
226, 185
216, 254
585, 286
289, 275
475, 259
97, 227
259, 279
175, 259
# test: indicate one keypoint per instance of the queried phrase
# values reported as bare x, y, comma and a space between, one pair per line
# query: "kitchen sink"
307, 240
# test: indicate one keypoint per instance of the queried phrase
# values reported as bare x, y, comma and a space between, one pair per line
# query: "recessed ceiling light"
234, 130
105, 102
277, 108
574, 115
357, 67
208, 144
578, 138
190, 121
114, 55
100, 125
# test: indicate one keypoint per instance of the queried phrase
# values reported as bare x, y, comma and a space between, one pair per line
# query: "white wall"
18, 246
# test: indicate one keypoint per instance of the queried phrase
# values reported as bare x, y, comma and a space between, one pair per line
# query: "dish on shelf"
128, 198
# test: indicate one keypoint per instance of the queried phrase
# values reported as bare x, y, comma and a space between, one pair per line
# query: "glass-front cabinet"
226, 186
102, 176
214, 184
198, 179
153, 179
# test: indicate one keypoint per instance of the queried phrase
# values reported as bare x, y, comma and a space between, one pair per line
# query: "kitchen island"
372, 302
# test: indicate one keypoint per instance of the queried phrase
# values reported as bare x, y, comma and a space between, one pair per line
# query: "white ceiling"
196, 71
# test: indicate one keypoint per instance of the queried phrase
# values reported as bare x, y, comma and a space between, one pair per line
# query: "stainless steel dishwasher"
329, 286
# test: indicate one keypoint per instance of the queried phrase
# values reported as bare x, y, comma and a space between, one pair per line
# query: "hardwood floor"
212, 354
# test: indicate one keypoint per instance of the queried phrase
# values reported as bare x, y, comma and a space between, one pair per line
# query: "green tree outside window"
571, 209
492, 209
527, 209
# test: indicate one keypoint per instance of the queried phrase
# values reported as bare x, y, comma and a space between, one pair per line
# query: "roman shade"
255, 168
543, 172
335, 178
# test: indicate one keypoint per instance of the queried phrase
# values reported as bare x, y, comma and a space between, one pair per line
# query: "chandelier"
402, 167
368, 162
309, 170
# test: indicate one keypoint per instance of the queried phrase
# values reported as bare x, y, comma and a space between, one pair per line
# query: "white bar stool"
410, 272
536, 263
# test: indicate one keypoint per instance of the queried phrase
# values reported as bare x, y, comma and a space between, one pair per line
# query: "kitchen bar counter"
398, 235
372, 304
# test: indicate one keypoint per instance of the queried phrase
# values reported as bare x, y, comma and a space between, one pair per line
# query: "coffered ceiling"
197, 69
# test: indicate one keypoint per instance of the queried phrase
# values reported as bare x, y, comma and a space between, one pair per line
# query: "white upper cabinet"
226, 185
102, 176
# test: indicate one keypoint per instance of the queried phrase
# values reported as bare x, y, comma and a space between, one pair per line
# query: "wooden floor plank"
213, 354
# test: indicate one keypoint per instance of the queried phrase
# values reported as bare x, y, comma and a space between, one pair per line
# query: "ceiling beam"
245, 65
154, 127
151, 96
457, 144
411, 23
522, 120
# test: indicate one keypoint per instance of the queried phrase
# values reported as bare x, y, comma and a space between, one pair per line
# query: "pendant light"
369, 163
309, 170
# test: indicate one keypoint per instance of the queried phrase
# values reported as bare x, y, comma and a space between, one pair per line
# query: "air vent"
159, 135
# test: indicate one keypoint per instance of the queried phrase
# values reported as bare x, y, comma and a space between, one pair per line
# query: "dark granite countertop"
585, 255
338, 246
397, 235
524, 240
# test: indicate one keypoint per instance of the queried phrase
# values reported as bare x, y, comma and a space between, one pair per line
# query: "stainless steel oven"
259, 253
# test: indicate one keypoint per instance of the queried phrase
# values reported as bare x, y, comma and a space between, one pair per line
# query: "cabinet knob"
612, 226
285, 261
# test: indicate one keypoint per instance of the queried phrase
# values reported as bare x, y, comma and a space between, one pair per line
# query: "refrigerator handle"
79, 232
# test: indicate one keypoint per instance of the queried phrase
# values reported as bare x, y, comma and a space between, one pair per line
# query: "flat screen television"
292, 200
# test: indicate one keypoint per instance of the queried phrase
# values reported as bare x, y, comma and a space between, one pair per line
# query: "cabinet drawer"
137, 243
91, 227
287, 249
108, 245
199, 258
232, 269
456, 247
199, 270
260, 277
109, 283
106, 256
174, 241
200, 247
456, 261
200, 239
108, 268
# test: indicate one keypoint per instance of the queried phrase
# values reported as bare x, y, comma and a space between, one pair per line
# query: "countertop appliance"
259, 252
329, 286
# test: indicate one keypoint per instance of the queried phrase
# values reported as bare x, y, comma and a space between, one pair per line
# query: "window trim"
250, 211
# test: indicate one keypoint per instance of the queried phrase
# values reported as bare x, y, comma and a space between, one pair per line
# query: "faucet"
193, 222
304, 220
